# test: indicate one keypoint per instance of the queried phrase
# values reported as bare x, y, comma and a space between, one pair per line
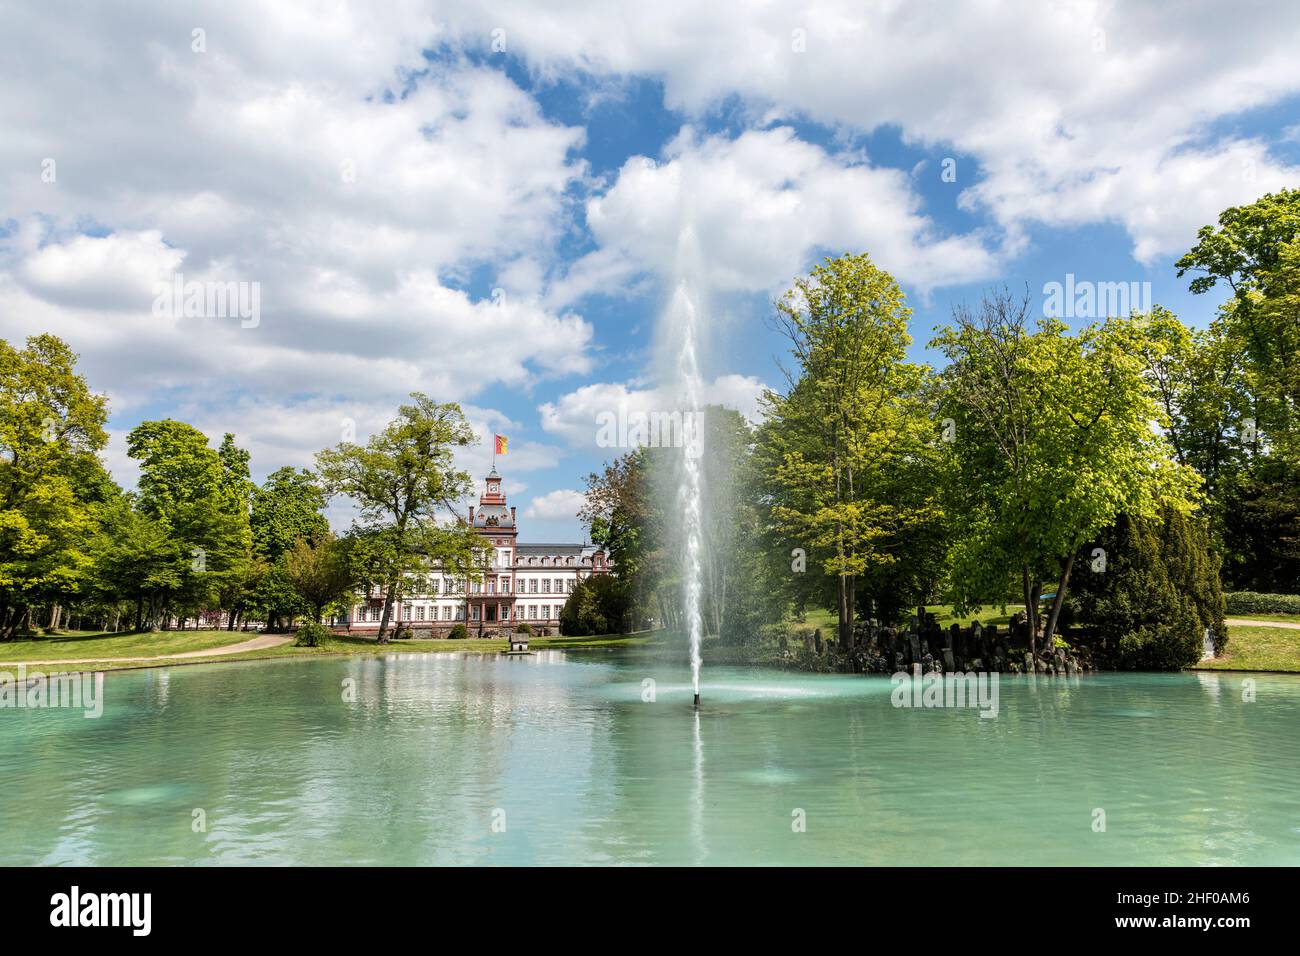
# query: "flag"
501, 444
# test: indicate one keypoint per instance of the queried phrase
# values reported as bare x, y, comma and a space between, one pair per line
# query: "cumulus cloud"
559, 505
317, 155
577, 416
1074, 113
762, 205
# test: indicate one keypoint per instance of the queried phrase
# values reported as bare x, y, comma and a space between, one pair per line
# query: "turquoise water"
562, 755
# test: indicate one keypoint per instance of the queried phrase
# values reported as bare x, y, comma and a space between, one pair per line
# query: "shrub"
458, 633
523, 628
597, 605
311, 634
1252, 602
1158, 593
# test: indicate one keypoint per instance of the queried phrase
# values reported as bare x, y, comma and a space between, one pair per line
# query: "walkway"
255, 644
1243, 622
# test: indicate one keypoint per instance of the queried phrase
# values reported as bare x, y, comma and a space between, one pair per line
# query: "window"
473, 613
559, 586
419, 613
475, 587
532, 586
446, 613
519, 585
532, 611
492, 585
546, 585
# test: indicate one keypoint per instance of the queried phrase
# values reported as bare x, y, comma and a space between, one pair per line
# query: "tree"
320, 573
286, 509
135, 557
854, 412
1052, 440
197, 496
1157, 592
596, 605
1255, 251
51, 432
403, 481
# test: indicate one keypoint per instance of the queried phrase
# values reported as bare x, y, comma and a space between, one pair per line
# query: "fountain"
691, 489
680, 344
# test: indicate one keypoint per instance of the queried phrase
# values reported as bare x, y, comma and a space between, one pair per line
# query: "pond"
598, 757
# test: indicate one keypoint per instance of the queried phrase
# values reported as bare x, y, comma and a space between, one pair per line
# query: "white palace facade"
524, 583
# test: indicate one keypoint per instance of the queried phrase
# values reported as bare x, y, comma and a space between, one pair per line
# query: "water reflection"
288, 770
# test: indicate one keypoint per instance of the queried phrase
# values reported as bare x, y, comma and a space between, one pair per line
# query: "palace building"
524, 583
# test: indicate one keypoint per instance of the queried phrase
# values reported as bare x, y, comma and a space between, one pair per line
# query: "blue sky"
498, 227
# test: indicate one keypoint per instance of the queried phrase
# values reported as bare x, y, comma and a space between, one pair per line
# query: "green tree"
1156, 593
1052, 439
187, 488
286, 509
402, 481
321, 573
854, 412
1255, 251
596, 605
51, 433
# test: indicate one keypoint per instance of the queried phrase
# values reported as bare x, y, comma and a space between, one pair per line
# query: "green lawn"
1259, 649
100, 646
1290, 618
942, 612
105, 648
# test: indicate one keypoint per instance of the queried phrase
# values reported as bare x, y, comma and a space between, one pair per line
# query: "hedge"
1252, 602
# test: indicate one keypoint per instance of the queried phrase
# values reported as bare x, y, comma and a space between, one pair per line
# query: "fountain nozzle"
697, 701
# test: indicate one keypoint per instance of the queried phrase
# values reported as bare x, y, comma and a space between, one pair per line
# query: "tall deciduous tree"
1055, 434
320, 572
51, 431
853, 414
1255, 251
403, 481
197, 496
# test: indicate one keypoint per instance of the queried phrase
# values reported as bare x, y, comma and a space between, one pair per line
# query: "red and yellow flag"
501, 444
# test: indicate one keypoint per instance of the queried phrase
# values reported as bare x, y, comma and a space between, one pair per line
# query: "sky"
486, 202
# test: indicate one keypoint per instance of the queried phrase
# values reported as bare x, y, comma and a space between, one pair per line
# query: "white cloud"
762, 206
1077, 112
559, 505
576, 416
316, 153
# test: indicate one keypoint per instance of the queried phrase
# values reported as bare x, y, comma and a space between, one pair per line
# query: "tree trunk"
56, 612
389, 596
1028, 596
1058, 600
842, 607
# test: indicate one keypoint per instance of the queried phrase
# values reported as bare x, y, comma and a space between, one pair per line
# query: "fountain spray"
691, 490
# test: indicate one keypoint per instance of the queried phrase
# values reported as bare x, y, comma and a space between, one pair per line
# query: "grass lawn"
1258, 649
139, 645
1289, 618
943, 615
89, 644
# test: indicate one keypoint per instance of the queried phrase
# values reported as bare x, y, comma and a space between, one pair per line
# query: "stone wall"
887, 650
